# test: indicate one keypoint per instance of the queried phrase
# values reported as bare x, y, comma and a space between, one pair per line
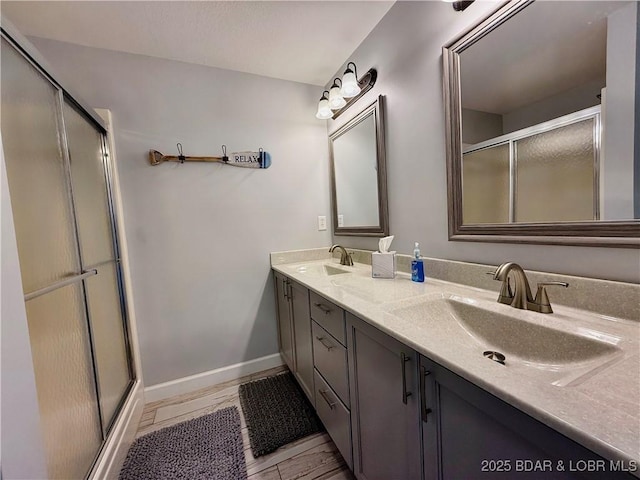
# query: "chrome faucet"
521, 296
345, 257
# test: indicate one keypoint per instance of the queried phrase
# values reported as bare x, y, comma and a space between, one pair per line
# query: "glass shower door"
485, 176
555, 175
58, 177
49, 257
95, 230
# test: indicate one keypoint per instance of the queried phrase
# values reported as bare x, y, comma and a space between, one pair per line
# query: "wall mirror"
542, 121
358, 175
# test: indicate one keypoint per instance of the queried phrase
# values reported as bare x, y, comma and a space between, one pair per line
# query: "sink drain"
495, 356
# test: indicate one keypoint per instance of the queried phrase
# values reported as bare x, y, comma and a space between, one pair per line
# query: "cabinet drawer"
330, 359
335, 417
329, 315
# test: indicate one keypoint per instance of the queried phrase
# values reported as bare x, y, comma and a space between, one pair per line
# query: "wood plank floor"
312, 457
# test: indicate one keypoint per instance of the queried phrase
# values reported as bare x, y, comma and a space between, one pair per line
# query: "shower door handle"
60, 284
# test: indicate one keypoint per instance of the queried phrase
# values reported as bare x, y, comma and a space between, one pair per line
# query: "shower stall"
59, 173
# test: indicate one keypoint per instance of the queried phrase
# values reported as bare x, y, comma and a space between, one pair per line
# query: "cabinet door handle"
322, 341
324, 308
324, 395
403, 360
423, 393
290, 286
284, 287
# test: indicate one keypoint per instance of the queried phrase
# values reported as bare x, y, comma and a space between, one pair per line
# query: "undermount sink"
561, 357
321, 270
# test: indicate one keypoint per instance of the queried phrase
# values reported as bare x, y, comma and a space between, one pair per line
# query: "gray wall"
405, 47
200, 234
616, 169
578, 98
479, 126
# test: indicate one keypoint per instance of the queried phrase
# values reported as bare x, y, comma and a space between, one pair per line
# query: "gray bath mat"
205, 448
277, 413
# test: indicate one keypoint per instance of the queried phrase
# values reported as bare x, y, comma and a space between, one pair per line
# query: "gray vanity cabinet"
331, 373
301, 319
285, 327
294, 330
469, 433
385, 404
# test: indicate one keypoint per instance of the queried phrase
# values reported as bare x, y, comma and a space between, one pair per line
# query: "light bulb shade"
336, 100
350, 86
324, 111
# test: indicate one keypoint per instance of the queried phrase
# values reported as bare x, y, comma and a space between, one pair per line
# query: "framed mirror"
542, 122
358, 175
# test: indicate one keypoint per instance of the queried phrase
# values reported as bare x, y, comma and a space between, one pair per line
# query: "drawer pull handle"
403, 360
329, 347
324, 395
423, 393
324, 308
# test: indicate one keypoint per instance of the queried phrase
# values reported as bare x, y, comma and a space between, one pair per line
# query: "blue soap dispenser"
417, 265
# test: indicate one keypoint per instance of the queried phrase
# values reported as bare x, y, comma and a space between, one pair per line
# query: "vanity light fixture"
350, 86
324, 111
344, 92
459, 6
336, 99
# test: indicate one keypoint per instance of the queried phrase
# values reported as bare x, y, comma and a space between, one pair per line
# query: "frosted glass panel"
485, 185
89, 188
64, 380
555, 175
108, 339
36, 174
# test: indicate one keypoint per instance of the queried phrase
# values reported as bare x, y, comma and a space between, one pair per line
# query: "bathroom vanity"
397, 375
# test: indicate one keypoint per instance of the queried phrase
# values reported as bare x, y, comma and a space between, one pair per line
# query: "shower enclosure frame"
66, 96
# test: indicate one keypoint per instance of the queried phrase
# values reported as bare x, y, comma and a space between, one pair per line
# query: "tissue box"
383, 265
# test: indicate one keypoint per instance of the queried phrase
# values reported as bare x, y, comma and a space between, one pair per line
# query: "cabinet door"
285, 327
302, 337
385, 414
469, 433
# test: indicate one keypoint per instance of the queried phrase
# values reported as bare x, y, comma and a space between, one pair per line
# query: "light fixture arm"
355, 70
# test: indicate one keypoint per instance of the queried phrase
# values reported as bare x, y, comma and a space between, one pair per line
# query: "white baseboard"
122, 434
210, 378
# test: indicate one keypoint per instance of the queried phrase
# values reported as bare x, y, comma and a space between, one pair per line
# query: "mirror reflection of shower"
547, 121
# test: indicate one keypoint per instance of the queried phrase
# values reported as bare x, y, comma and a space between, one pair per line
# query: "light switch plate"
322, 223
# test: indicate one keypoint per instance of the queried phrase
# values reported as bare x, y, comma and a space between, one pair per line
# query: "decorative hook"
225, 159
181, 157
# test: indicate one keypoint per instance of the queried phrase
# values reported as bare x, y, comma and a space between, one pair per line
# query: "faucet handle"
542, 299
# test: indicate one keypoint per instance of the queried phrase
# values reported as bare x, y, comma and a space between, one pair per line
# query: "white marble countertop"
598, 407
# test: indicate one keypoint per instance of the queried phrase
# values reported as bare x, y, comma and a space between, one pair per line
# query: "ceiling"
302, 41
